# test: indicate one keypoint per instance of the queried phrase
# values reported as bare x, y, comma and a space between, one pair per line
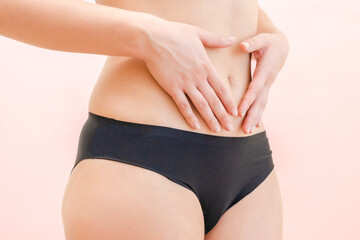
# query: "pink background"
312, 119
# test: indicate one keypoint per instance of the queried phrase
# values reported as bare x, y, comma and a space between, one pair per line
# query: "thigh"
257, 216
110, 200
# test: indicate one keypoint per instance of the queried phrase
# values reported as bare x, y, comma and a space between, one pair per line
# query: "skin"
77, 26
159, 58
197, 76
192, 98
270, 50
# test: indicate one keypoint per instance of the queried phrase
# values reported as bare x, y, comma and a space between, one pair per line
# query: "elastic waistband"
163, 131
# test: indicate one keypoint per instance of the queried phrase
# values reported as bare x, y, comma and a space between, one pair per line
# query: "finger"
255, 43
215, 105
260, 113
256, 111
185, 108
211, 39
262, 101
221, 91
251, 118
203, 107
257, 84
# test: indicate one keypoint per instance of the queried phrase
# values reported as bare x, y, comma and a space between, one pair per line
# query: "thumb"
254, 43
211, 39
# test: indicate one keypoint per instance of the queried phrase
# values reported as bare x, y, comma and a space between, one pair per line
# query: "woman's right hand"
178, 61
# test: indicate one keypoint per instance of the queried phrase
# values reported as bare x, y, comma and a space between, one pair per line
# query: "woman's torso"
127, 91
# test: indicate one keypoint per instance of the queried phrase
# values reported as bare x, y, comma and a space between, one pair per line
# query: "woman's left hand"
270, 51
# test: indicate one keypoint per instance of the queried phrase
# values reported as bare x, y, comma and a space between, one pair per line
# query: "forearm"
75, 26
265, 25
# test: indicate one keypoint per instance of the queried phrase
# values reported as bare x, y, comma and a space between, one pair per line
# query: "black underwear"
219, 170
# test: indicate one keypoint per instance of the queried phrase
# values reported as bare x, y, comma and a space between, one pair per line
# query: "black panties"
219, 170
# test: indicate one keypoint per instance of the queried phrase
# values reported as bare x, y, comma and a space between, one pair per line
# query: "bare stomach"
127, 91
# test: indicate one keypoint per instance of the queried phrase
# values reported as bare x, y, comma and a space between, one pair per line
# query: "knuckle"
173, 91
253, 87
174, 94
202, 105
191, 118
213, 102
253, 93
247, 97
172, 86
224, 118
221, 90
212, 121
183, 106
204, 64
188, 82
197, 75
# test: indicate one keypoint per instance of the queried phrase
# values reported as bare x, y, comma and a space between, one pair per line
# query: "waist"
127, 91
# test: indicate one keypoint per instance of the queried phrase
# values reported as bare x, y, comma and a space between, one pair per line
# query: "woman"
169, 149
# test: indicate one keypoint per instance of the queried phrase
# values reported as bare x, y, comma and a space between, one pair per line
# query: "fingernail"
197, 125
217, 128
229, 126
242, 114
234, 112
248, 130
252, 129
246, 45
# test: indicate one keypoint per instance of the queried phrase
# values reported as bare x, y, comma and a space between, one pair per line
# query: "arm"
75, 26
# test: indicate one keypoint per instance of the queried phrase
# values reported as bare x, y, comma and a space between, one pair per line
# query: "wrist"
143, 43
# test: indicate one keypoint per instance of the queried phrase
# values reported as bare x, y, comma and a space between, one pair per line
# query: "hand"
178, 61
270, 51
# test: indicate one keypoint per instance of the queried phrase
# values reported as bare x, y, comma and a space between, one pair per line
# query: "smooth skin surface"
187, 87
111, 200
257, 216
164, 56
